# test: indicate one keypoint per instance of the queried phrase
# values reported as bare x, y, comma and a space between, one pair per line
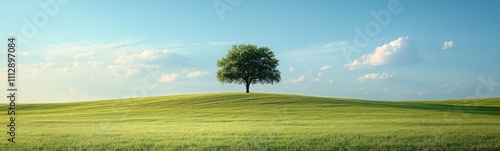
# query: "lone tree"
247, 64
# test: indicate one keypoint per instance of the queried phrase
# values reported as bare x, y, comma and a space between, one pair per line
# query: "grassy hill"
256, 121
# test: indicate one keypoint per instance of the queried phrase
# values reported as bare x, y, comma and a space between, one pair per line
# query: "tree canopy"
246, 64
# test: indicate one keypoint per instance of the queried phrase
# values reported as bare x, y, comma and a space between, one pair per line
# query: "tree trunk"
248, 81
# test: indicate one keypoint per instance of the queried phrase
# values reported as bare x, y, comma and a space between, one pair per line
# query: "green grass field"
256, 121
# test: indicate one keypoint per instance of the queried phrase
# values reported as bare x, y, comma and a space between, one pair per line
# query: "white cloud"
447, 45
451, 84
36, 69
335, 44
315, 51
331, 81
317, 78
219, 43
124, 59
396, 51
120, 70
119, 58
75, 64
291, 69
70, 49
95, 64
166, 78
325, 68
357, 90
72, 90
131, 71
147, 54
300, 79
65, 70
144, 55
451, 87
196, 74
56, 65
372, 76
410, 93
89, 55
24, 53
165, 51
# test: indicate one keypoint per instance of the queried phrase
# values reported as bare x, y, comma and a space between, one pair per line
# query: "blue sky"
382, 50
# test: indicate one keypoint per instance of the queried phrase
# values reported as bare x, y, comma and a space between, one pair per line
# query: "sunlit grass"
256, 121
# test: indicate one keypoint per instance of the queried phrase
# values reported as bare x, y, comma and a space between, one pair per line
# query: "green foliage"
239, 121
247, 64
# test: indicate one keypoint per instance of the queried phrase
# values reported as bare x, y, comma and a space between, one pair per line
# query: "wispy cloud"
300, 79
166, 78
72, 90
397, 51
119, 58
120, 64
84, 55
121, 70
372, 76
357, 90
318, 77
220, 43
140, 56
317, 50
451, 87
196, 74
447, 45
326, 67
36, 69
24, 53
73, 48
